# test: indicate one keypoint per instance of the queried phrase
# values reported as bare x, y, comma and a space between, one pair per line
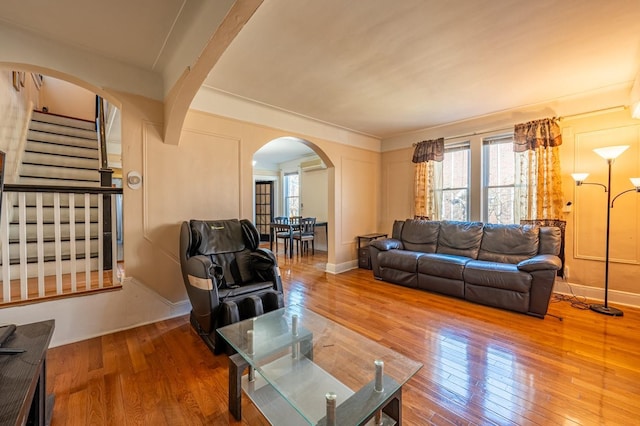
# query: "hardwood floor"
482, 366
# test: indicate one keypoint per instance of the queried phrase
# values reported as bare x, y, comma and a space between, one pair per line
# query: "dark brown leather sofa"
506, 266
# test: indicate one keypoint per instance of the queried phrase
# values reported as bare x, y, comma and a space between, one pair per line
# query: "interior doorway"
264, 207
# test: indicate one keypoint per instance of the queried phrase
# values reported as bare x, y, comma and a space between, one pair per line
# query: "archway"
291, 178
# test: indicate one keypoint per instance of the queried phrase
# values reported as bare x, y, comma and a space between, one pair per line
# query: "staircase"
59, 151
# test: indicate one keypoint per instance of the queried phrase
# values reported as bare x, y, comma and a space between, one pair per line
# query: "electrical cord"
578, 302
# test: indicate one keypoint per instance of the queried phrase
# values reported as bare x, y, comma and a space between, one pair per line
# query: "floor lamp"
609, 153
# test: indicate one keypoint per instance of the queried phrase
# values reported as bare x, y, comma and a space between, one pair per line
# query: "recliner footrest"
250, 307
272, 300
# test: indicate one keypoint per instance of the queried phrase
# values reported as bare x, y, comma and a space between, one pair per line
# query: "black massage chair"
227, 276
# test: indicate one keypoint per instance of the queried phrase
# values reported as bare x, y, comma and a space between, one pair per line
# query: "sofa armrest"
540, 262
386, 244
379, 246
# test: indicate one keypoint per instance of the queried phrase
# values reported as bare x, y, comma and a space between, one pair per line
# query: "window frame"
439, 192
485, 175
288, 197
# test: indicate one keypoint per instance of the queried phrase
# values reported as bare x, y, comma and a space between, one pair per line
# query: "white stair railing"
46, 250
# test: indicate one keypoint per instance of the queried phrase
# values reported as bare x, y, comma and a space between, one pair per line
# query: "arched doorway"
59, 179
290, 179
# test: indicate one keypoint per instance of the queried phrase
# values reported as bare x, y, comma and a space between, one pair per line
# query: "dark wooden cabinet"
23, 387
364, 258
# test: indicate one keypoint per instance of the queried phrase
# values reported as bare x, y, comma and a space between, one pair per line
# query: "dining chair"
304, 234
282, 232
295, 220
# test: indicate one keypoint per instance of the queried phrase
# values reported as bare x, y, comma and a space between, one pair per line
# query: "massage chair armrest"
385, 244
202, 273
265, 267
540, 262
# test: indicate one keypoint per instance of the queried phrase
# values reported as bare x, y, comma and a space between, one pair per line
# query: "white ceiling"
133, 32
385, 67
379, 67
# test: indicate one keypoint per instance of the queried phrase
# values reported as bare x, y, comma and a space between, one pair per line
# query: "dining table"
292, 228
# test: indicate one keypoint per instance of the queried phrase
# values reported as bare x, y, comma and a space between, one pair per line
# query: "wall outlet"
566, 272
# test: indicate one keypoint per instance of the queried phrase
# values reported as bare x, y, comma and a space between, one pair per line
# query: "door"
264, 208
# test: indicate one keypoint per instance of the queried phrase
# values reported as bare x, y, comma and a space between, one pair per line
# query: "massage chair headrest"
223, 236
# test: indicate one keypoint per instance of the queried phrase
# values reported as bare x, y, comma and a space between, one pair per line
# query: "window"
451, 182
502, 189
481, 179
292, 194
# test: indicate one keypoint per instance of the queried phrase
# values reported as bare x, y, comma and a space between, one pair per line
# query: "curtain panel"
431, 150
538, 133
540, 172
425, 205
425, 153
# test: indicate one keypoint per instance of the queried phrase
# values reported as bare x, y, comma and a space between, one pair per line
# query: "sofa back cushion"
508, 243
551, 241
397, 229
420, 235
460, 238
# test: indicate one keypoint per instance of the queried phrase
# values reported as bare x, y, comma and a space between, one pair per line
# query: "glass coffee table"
304, 369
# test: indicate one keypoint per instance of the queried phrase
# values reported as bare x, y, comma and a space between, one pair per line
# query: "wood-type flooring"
481, 365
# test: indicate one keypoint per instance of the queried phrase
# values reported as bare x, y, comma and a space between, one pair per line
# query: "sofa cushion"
508, 243
497, 275
401, 260
442, 265
420, 235
550, 240
396, 231
460, 238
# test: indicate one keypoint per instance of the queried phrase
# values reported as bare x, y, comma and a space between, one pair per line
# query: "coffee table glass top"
303, 356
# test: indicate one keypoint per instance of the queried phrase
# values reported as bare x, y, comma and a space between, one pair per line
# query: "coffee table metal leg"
237, 365
306, 348
393, 408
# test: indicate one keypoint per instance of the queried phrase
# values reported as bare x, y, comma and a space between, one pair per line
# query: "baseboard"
338, 268
596, 293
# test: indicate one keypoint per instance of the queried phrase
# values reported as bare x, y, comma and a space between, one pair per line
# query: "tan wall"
209, 175
586, 223
15, 113
314, 195
314, 199
64, 98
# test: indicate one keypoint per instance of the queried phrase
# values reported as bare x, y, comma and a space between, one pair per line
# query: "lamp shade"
635, 182
579, 177
611, 152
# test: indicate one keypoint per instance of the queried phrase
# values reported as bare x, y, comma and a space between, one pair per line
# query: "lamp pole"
606, 309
